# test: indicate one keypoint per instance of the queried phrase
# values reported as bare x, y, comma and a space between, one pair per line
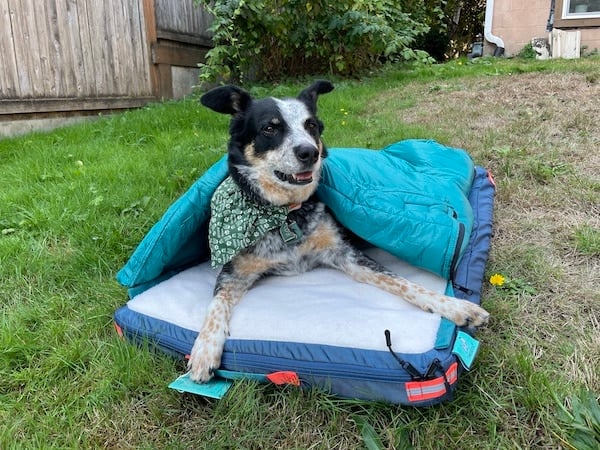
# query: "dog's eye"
311, 125
269, 130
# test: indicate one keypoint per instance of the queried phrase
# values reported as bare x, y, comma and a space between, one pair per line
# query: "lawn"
75, 202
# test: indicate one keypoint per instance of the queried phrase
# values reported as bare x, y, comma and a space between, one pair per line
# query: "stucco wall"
517, 21
590, 39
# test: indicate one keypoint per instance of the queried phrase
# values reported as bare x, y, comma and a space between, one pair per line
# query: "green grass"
75, 202
587, 240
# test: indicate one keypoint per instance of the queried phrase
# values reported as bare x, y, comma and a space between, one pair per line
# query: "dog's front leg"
461, 312
208, 347
232, 283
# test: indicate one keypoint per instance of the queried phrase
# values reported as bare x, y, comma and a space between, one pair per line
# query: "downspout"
550, 24
487, 29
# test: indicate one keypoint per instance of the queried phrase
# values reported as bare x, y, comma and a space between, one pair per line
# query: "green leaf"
403, 440
370, 437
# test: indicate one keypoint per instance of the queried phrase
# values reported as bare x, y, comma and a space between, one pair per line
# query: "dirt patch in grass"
554, 114
539, 134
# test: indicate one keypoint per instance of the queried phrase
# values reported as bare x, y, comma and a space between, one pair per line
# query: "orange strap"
119, 330
425, 390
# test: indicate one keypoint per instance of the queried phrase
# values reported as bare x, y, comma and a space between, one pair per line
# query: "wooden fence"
82, 55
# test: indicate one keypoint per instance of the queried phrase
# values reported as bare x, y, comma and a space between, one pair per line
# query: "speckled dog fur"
275, 156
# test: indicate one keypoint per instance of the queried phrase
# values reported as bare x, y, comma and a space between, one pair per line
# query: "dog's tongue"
303, 176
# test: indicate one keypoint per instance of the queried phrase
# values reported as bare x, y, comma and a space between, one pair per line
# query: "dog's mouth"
296, 178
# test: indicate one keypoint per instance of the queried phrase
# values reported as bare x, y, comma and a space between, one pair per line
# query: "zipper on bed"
459, 241
463, 289
301, 367
306, 369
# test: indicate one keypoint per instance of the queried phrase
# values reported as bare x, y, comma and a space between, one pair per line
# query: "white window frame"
564, 19
578, 15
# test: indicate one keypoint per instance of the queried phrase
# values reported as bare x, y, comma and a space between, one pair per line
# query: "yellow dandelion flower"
497, 279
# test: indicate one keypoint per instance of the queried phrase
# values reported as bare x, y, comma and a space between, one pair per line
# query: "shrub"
273, 39
527, 52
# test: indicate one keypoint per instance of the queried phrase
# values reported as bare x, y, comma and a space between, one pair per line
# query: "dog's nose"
306, 154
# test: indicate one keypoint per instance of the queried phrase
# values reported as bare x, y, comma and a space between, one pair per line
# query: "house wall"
517, 21
590, 39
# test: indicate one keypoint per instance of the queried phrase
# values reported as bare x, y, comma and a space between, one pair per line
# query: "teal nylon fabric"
411, 199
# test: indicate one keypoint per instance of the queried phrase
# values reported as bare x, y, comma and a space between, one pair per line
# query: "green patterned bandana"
237, 222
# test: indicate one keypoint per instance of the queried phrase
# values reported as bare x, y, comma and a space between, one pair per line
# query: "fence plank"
112, 67
67, 105
102, 48
80, 87
178, 55
68, 69
21, 47
55, 53
183, 17
87, 56
116, 60
46, 81
9, 78
124, 53
30, 33
141, 53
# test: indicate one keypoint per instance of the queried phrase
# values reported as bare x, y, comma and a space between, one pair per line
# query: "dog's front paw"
470, 315
205, 358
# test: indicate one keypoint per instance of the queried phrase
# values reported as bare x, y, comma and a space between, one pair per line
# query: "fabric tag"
465, 347
215, 388
284, 377
290, 232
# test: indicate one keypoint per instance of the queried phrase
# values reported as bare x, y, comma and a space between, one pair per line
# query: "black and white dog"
275, 155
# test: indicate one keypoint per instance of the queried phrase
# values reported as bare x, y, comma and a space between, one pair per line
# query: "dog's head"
275, 148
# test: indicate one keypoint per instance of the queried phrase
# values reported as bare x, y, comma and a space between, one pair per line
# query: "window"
577, 13
581, 8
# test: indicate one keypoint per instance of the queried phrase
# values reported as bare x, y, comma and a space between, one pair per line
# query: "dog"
275, 155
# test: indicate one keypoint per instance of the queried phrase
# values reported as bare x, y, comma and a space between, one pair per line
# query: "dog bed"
321, 328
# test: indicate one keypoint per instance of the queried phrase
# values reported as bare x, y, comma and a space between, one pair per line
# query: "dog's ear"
227, 100
310, 95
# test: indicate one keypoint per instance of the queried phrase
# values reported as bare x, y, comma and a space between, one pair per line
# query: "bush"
527, 52
273, 39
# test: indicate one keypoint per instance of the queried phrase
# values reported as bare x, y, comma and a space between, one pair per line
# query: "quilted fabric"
411, 199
